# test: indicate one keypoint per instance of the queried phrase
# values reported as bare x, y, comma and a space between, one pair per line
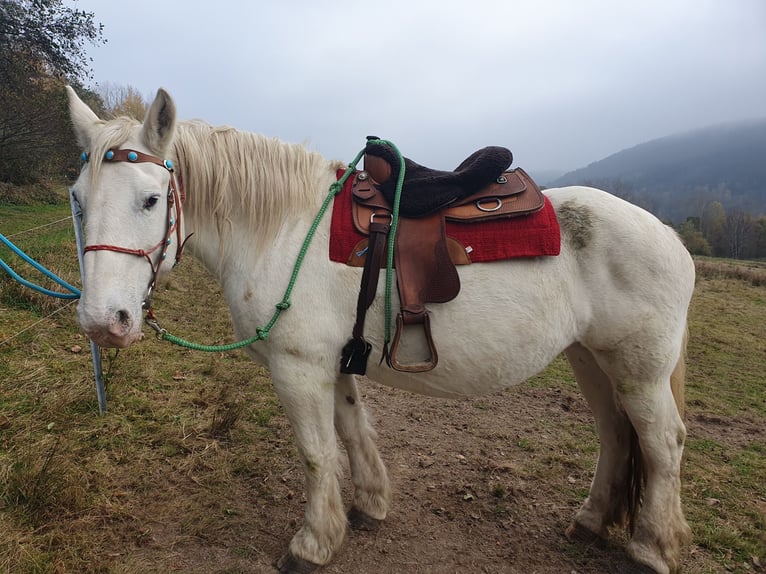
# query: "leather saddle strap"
376, 248
353, 359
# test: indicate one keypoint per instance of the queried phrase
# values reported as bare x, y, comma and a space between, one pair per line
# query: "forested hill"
677, 176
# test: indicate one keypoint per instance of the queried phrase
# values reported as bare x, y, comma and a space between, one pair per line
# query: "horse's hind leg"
647, 386
609, 499
368, 473
661, 530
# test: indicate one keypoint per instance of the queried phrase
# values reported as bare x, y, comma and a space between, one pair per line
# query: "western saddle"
480, 189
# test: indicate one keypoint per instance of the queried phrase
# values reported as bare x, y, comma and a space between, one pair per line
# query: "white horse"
615, 301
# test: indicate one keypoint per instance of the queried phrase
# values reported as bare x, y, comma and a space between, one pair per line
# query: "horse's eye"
151, 201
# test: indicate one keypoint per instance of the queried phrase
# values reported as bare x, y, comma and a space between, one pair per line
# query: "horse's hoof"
359, 520
578, 534
631, 567
291, 564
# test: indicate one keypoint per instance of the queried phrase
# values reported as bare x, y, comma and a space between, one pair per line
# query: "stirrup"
421, 367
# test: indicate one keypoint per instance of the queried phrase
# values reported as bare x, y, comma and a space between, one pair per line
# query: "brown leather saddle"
480, 189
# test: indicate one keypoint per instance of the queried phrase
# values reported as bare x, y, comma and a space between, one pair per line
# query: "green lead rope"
391, 237
262, 333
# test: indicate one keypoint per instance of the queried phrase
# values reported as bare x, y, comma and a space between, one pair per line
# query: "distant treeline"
735, 234
706, 227
709, 183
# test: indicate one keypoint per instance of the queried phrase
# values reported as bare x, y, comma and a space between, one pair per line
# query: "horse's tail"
678, 377
636, 470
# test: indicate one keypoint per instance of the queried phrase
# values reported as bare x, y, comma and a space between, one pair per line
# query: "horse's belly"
464, 371
487, 339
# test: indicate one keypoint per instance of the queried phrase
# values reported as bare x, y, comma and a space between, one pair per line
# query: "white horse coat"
615, 300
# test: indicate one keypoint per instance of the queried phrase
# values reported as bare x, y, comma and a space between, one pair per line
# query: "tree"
758, 239
737, 230
712, 224
123, 101
42, 46
47, 32
692, 237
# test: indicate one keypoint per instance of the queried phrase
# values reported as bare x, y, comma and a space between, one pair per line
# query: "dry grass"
752, 272
76, 489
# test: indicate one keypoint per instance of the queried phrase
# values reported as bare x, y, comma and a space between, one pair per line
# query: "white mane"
232, 174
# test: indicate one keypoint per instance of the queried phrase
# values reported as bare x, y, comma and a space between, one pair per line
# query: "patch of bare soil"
467, 498
739, 432
486, 485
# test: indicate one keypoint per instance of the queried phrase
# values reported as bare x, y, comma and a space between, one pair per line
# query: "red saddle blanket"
525, 236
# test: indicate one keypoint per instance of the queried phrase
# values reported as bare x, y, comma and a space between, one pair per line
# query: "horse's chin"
112, 341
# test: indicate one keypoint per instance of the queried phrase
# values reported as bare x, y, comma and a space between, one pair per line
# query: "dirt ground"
479, 486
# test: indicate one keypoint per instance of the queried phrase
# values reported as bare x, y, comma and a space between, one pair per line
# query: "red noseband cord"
176, 199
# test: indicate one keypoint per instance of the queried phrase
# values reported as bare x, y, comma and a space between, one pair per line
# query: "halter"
175, 200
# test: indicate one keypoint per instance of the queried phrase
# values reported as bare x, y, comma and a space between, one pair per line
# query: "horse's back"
586, 211
600, 229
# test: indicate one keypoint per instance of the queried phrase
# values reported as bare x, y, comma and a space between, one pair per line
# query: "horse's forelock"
112, 135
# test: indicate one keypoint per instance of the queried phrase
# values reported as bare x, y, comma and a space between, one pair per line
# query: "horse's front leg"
372, 492
307, 393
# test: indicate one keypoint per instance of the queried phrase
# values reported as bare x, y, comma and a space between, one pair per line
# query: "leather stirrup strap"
357, 350
376, 248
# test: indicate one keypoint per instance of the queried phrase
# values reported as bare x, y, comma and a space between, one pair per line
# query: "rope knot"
261, 334
283, 305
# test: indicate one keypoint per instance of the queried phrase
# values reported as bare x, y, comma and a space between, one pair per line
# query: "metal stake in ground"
95, 351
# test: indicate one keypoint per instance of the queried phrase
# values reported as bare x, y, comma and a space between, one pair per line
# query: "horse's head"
132, 213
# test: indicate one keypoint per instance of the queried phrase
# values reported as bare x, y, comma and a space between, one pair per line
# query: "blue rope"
74, 292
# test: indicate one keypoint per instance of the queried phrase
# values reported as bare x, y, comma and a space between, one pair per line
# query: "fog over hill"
676, 176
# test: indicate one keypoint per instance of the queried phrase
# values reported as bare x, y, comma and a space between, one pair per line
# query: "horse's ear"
83, 118
160, 123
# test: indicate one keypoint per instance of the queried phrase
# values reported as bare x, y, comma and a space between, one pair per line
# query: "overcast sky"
562, 83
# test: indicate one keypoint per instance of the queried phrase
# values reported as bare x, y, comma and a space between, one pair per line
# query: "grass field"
194, 432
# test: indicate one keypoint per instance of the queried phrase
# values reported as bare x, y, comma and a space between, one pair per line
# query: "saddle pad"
527, 236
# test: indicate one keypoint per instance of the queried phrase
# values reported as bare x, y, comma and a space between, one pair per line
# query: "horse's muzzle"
119, 330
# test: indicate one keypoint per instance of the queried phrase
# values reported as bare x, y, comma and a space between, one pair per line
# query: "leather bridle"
175, 199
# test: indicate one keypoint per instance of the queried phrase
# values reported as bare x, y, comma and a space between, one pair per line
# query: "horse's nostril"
123, 318
120, 324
